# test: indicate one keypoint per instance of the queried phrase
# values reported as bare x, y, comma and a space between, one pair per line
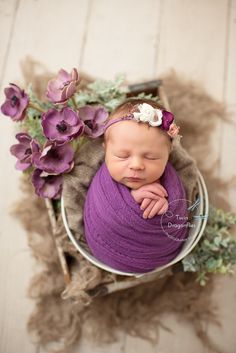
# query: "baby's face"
135, 150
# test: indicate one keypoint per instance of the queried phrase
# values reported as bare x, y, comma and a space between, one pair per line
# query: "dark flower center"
28, 151
54, 154
61, 127
14, 101
50, 179
89, 123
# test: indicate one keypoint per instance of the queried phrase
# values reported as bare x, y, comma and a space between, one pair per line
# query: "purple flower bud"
47, 186
61, 126
24, 150
94, 118
16, 102
167, 120
61, 88
54, 159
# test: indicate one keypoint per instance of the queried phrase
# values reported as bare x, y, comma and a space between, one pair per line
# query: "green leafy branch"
107, 93
216, 251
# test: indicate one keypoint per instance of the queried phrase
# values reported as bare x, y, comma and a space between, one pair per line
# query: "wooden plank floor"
142, 39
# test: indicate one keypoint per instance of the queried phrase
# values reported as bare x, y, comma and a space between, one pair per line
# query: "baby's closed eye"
121, 156
152, 158
145, 157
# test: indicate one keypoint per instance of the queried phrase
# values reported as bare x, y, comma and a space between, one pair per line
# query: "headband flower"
157, 117
154, 117
148, 114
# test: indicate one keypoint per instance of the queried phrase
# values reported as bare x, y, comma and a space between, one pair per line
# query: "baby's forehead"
129, 135
130, 130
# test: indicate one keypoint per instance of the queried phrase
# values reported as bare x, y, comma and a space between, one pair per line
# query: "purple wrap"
120, 237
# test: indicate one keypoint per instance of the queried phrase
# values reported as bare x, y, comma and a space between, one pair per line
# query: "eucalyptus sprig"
216, 251
107, 93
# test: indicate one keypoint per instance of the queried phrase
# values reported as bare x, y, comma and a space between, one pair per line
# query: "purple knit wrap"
120, 237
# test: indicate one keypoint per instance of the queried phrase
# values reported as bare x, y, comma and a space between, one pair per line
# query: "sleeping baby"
136, 193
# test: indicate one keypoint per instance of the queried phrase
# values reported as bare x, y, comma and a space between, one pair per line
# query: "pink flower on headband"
167, 120
173, 130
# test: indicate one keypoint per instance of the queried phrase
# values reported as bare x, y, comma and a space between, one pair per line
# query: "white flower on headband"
149, 114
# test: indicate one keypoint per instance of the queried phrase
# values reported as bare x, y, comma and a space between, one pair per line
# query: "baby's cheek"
115, 171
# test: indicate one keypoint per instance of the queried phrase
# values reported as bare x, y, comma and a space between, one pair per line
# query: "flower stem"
74, 102
36, 107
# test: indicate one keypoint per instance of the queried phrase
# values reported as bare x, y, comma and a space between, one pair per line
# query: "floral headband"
154, 117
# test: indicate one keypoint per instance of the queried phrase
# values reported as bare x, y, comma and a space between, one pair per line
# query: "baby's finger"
145, 203
156, 208
164, 208
156, 189
140, 194
148, 209
161, 188
148, 194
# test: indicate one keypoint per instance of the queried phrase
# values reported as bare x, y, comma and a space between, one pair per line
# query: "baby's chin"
134, 185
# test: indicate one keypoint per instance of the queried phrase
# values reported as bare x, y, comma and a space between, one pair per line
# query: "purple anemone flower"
24, 150
47, 186
16, 102
94, 118
54, 159
61, 126
61, 88
167, 119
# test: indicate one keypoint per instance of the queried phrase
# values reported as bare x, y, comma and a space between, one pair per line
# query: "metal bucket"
194, 235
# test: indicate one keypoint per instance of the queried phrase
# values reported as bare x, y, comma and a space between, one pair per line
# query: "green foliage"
107, 93
34, 99
32, 125
216, 251
148, 96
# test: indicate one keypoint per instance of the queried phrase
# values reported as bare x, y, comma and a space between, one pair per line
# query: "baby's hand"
152, 191
154, 207
152, 199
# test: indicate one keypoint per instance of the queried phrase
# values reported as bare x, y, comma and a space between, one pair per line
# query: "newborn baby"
136, 156
129, 194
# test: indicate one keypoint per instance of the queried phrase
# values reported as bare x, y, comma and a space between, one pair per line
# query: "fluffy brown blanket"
62, 314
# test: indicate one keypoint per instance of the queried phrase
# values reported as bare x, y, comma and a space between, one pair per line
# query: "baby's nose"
136, 163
